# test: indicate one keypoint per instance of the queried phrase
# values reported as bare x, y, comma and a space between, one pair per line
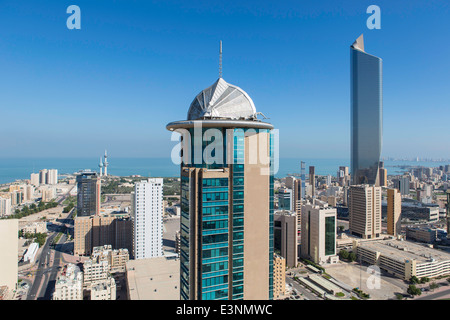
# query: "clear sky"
136, 65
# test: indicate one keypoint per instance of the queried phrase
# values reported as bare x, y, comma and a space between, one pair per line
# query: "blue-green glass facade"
221, 216
366, 116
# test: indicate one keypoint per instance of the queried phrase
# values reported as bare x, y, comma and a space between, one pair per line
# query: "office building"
285, 236
89, 192
394, 211
69, 285
318, 237
9, 243
365, 211
402, 184
147, 219
285, 199
279, 276
366, 114
226, 198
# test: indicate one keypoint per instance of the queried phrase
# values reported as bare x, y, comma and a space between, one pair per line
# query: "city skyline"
284, 57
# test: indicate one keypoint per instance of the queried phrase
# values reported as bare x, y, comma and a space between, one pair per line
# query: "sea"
12, 169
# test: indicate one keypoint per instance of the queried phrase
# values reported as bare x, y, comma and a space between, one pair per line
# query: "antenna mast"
220, 60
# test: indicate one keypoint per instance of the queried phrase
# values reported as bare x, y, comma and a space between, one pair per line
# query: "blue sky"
136, 65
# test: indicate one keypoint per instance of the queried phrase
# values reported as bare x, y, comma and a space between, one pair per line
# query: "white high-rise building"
148, 219
34, 179
5, 207
52, 176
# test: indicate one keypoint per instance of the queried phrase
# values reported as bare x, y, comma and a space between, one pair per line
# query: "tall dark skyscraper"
88, 197
366, 114
226, 233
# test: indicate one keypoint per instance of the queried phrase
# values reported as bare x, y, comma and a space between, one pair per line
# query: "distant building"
279, 276
383, 177
318, 238
312, 180
147, 219
394, 211
43, 176
94, 231
34, 179
402, 184
9, 243
365, 211
5, 207
422, 234
404, 259
285, 236
69, 285
285, 199
88, 196
52, 176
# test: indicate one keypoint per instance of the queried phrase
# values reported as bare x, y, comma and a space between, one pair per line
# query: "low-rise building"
422, 234
105, 290
69, 285
404, 259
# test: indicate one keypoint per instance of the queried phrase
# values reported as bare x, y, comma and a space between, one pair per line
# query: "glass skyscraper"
366, 114
88, 194
226, 231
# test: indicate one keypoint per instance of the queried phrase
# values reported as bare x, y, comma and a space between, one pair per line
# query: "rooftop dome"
222, 101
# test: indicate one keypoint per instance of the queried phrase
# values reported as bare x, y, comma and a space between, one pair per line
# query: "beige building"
279, 276
318, 238
365, 211
296, 186
34, 227
9, 243
404, 259
105, 290
69, 285
94, 231
394, 211
153, 279
34, 179
285, 236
